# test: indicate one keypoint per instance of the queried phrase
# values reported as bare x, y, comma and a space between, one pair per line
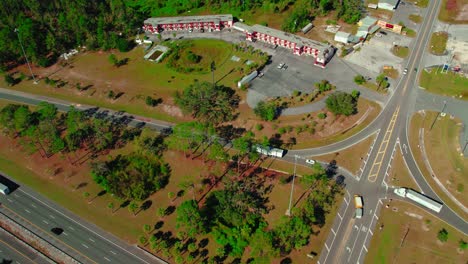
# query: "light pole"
288, 212
441, 111
24, 53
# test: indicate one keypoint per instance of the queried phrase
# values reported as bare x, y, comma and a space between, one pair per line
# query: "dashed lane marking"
84, 245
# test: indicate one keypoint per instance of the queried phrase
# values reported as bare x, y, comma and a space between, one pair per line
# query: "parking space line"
107, 259
45, 222
27, 211
90, 239
113, 252
84, 245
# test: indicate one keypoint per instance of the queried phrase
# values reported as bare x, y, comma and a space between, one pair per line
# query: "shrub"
123, 45
341, 103
322, 115
267, 111
359, 79
10, 81
282, 130
192, 57
150, 101
443, 235
259, 127
110, 94
355, 94
113, 59
460, 187
296, 93
462, 244
323, 86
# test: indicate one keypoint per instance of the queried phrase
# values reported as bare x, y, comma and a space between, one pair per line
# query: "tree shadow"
81, 185
203, 243
146, 205
158, 225
286, 260
170, 210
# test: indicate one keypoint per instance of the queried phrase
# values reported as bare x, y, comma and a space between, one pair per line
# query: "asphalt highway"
13, 251
81, 240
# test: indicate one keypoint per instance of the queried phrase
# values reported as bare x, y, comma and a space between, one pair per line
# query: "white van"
4, 189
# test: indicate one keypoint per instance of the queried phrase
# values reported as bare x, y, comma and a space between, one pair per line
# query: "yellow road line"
70, 247
14, 249
374, 172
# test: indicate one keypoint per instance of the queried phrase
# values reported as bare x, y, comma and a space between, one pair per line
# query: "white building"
342, 37
388, 4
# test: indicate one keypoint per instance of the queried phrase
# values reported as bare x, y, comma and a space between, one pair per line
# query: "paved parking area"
301, 74
377, 52
401, 14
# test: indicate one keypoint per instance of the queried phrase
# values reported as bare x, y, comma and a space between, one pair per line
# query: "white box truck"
358, 204
4, 189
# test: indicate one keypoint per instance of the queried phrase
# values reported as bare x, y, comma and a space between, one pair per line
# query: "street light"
441, 111
24, 53
288, 212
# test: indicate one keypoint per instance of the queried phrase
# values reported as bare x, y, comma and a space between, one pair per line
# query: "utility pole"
24, 53
441, 111
288, 212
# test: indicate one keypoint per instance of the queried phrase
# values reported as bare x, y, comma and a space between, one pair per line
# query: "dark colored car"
383, 32
57, 231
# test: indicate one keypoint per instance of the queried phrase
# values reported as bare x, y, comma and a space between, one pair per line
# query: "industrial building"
387, 4
299, 45
211, 23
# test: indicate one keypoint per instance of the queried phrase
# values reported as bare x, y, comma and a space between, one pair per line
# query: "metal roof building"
388, 4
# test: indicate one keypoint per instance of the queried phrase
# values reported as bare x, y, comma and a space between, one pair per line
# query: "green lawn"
415, 18
438, 43
373, 86
450, 83
400, 51
139, 78
409, 32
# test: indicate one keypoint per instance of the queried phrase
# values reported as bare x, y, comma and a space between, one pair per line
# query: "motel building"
299, 45
155, 25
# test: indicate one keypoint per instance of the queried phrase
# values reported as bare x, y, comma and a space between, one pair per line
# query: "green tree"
46, 111
110, 205
341, 103
7, 118
133, 207
147, 228
381, 81
359, 79
22, 118
462, 244
113, 59
292, 234
443, 235
214, 104
355, 94
9, 80
267, 111
262, 246
143, 240
189, 218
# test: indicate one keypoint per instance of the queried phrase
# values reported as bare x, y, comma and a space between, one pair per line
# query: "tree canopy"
214, 104
341, 103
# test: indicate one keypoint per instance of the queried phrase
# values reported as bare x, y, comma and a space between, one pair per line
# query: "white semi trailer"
419, 198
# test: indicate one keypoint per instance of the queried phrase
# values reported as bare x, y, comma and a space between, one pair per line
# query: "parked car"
383, 32
310, 161
405, 71
280, 65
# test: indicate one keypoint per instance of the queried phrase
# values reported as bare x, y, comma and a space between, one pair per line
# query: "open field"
391, 73
399, 175
443, 151
417, 122
137, 79
70, 182
448, 84
438, 43
374, 87
350, 158
401, 52
410, 236
454, 11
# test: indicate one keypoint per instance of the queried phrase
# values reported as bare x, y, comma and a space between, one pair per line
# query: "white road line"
65, 233
354, 244
327, 247
84, 245
10, 200
33, 205
45, 222
107, 259
90, 239
346, 201
51, 216
365, 248
27, 211
113, 252
71, 228
16, 195
376, 216
333, 231
371, 232
380, 201
340, 216
78, 223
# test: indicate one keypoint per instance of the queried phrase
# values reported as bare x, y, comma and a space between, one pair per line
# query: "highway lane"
81, 240
13, 251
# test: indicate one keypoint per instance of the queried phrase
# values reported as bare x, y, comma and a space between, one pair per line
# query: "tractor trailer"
359, 206
419, 198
